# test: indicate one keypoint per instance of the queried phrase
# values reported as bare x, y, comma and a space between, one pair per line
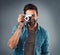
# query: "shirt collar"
25, 27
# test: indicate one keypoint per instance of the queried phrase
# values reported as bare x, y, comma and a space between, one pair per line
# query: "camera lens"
28, 17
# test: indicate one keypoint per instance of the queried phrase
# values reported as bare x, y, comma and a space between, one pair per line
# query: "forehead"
31, 12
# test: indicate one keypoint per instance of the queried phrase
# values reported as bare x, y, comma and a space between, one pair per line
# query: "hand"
20, 20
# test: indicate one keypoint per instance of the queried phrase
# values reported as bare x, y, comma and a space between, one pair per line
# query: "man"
29, 38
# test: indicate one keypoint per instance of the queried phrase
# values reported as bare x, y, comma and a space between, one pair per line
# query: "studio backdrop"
49, 19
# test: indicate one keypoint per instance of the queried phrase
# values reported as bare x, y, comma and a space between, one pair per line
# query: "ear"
36, 17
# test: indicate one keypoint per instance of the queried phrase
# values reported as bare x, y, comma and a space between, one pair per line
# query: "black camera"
27, 18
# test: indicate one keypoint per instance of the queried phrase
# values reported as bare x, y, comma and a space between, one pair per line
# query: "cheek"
36, 18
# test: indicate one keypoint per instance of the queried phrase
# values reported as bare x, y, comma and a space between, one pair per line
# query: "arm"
13, 41
44, 48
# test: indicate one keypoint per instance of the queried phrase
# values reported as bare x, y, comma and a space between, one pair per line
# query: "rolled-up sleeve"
14, 29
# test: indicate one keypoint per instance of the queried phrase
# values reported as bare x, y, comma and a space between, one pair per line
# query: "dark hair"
31, 7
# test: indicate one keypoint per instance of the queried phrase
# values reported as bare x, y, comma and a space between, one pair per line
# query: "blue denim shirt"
41, 41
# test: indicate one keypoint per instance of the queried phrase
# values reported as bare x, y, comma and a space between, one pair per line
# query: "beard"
32, 22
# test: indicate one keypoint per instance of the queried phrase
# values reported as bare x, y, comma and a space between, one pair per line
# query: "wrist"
19, 27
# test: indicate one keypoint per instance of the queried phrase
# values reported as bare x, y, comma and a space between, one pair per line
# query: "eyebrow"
33, 14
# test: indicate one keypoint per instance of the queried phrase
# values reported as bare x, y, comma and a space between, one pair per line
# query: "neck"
32, 27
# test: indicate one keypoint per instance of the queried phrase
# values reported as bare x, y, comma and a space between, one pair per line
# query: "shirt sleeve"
14, 29
45, 46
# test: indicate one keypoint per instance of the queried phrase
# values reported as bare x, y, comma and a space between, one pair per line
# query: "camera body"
27, 17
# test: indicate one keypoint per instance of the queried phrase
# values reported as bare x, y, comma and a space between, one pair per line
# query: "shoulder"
43, 31
15, 26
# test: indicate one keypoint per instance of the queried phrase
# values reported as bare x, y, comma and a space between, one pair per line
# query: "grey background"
49, 18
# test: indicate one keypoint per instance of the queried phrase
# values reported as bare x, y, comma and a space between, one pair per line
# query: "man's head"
31, 9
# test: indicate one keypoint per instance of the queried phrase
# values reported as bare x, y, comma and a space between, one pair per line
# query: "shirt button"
23, 49
24, 42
